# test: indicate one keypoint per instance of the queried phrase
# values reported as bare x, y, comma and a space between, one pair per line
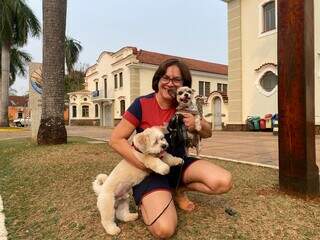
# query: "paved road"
253, 147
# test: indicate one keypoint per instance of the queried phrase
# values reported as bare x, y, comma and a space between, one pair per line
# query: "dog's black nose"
164, 146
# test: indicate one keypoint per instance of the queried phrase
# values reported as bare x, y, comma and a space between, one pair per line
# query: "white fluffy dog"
185, 99
113, 190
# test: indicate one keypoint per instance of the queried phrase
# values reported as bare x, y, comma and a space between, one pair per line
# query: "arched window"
85, 111
74, 111
269, 16
96, 110
269, 81
122, 107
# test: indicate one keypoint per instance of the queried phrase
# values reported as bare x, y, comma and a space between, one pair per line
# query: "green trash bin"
256, 122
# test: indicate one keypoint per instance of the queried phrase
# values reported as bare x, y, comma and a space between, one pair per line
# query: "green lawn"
47, 195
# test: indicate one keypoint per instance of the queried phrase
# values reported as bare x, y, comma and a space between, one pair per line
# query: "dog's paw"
130, 217
180, 161
162, 169
112, 229
177, 161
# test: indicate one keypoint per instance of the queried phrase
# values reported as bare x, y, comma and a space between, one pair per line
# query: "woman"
154, 194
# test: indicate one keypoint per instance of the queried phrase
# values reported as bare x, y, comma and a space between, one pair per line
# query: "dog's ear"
140, 141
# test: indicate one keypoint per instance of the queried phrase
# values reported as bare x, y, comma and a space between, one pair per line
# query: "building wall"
209, 106
235, 62
137, 81
77, 99
13, 112
257, 49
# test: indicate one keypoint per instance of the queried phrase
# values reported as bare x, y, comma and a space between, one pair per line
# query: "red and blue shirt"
146, 112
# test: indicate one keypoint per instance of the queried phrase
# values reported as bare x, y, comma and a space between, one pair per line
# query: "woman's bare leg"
152, 205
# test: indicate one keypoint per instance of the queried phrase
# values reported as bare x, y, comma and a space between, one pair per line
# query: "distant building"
18, 107
253, 69
119, 77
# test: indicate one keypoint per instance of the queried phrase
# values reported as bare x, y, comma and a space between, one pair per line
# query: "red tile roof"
18, 101
197, 65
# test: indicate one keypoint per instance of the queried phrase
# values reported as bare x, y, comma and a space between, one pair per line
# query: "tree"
74, 82
72, 50
52, 128
17, 21
18, 61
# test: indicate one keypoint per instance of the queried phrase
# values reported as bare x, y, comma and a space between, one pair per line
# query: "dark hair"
162, 69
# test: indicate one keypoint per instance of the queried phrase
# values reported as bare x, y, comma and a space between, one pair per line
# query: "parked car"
21, 122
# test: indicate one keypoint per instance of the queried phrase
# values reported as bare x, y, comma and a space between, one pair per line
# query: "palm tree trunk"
5, 70
52, 128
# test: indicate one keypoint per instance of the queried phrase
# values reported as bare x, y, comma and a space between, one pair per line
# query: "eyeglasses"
175, 81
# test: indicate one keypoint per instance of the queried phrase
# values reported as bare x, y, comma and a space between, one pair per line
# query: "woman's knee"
163, 229
221, 185
226, 183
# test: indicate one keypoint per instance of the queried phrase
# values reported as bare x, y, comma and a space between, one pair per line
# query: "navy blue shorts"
156, 181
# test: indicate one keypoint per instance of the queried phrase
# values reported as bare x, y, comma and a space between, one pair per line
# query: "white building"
252, 65
118, 78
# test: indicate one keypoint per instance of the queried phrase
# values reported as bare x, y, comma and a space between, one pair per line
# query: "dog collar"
138, 150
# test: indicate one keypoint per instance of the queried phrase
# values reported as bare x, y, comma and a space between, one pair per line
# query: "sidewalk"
251, 147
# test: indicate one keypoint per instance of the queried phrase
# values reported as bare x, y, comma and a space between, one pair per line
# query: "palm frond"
72, 50
18, 62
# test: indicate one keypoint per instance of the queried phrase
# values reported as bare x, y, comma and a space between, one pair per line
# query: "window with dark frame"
105, 88
20, 114
96, 110
207, 89
225, 88
74, 111
120, 80
122, 107
201, 92
85, 111
269, 16
219, 87
269, 81
115, 81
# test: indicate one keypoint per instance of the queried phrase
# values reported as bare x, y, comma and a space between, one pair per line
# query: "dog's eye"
180, 93
189, 92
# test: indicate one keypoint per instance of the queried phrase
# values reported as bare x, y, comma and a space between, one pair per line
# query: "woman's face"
172, 79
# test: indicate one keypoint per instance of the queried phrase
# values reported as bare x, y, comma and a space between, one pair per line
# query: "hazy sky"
187, 28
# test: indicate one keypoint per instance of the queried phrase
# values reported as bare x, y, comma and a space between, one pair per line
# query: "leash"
168, 204
178, 136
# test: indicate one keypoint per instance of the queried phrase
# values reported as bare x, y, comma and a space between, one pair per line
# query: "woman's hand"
189, 121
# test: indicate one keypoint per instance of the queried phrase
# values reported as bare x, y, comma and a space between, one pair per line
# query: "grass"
47, 195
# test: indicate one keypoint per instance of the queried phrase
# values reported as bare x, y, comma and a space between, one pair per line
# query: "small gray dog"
186, 104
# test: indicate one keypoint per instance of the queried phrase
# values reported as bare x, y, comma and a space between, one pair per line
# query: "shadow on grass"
47, 195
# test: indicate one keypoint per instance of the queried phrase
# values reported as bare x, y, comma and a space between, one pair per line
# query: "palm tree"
17, 21
72, 50
18, 60
52, 128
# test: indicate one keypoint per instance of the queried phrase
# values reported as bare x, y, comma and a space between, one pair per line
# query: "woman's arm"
119, 142
206, 127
